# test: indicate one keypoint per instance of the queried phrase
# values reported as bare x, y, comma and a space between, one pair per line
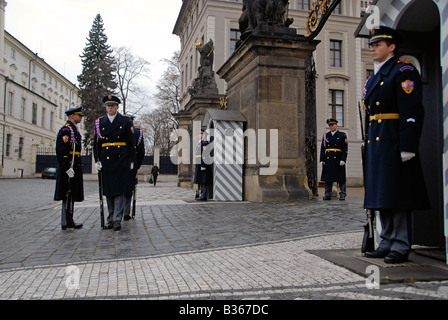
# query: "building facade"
342, 61
34, 98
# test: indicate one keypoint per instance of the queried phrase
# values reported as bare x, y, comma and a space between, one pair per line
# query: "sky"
57, 30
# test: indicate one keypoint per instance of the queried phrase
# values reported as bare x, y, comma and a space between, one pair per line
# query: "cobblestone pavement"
177, 248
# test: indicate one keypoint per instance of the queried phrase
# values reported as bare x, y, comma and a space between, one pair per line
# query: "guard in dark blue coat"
394, 182
69, 179
115, 157
202, 173
140, 155
333, 156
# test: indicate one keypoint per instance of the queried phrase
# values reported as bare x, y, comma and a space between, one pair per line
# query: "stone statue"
263, 12
205, 81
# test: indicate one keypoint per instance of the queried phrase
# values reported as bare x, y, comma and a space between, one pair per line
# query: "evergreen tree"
97, 78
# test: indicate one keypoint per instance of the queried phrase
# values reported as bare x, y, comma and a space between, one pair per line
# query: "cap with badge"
379, 33
331, 121
111, 100
77, 110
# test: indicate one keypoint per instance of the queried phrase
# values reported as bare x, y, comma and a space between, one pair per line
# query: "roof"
223, 115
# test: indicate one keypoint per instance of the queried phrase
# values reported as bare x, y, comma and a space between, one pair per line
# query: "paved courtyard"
177, 248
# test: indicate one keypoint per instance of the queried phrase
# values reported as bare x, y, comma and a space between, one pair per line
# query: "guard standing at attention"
202, 174
140, 156
394, 182
333, 156
69, 179
115, 156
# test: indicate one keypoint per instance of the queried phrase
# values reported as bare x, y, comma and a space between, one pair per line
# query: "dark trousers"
67, 214
116, 207
396, 230
154, 178
342, 188
204, 193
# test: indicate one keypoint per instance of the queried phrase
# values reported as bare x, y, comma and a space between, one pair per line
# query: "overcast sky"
58, 30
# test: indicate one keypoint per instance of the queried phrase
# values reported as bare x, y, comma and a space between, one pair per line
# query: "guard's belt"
113, 144
77, 153
335, 150
384, 116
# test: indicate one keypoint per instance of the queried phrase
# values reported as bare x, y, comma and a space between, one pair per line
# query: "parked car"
49, 173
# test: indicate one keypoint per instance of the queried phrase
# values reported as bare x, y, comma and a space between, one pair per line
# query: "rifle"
134, 200
368, 241
70, 205
100, 186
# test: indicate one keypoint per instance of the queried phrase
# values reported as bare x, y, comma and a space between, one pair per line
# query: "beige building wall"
213, 19
33, 101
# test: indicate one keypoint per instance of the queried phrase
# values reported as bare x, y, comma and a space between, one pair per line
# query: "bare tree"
158, 124
168, 87
128, 69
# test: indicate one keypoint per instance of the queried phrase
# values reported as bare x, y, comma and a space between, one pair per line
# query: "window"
335, 53
8, 145
20, 148
303, 4
10, 102
336, 106
337, 10
34, 116
22, 109
234, 37
13, 53
51, 120
43, 117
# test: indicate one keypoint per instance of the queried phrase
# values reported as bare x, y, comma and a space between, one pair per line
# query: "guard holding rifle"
114, 151
69, 180
333, 155
394, 182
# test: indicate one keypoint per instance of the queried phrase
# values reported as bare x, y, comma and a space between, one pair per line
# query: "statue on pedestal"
263, 12
205, 81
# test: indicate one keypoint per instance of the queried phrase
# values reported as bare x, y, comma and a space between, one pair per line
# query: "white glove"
203, 168
322, 163
70, 172
132, 165
405, 156
342, 163
98, 166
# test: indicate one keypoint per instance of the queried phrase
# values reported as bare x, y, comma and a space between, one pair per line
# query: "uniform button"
107, 158
368, 141
377, 103
107, 148
377, 138
382, 82
379, 120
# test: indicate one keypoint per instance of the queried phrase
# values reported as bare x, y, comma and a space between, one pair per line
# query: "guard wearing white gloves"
115, 155
394, 182
69, 179
333, 156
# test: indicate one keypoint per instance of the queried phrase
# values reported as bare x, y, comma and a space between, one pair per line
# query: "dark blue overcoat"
389, 182
333, 150
68, 136
203, 176
114, 146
